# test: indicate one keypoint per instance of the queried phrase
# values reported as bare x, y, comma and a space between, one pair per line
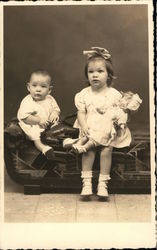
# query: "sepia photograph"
80, 180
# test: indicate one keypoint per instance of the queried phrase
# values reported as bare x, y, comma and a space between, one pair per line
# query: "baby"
38, 109
102, 127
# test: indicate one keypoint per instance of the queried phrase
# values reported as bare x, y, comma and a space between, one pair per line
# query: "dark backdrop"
53, 37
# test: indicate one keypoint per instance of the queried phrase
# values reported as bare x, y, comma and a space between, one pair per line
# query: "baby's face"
39, 86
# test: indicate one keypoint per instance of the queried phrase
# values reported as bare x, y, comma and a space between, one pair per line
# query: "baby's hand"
54, 118
43, 123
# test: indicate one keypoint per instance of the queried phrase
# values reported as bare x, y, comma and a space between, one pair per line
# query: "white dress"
42, 108
101, 112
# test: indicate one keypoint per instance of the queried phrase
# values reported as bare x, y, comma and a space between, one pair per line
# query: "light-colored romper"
42, 108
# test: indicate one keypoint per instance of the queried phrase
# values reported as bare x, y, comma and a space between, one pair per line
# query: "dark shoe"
101, 198
50, 154
85, 197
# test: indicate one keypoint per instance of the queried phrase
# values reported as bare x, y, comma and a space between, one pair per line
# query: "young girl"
38, 109
102, 129
99, 73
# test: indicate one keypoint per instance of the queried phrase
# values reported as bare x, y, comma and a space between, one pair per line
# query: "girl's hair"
42, 72
108, 64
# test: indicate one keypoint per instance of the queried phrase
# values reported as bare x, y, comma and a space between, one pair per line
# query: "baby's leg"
45, 149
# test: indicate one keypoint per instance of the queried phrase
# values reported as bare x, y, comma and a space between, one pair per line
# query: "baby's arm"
34, 119
28, 114
54, 116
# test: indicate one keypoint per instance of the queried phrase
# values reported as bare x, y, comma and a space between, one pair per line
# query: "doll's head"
100, 54
39, 85
130, 101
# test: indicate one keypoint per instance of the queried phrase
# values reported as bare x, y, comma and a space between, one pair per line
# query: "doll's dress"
42, 108
101, 112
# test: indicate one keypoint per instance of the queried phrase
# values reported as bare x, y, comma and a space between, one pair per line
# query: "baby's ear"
27, 84
50, 89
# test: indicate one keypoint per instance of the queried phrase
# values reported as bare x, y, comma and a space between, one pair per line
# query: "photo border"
80, 235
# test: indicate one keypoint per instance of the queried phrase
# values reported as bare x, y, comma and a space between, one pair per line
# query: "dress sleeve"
26, 108
117, 96
80, 102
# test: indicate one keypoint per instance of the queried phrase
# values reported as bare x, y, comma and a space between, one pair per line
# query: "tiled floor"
69, 208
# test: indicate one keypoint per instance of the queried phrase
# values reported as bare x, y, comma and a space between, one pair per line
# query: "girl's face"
97, 74
39, 86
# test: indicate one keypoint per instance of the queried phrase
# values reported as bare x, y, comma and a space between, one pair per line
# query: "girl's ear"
28, 88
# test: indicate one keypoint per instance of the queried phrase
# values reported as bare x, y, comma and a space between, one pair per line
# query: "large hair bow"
97, 51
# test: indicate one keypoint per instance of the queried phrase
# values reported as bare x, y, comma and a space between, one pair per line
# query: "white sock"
103, 177
86, 174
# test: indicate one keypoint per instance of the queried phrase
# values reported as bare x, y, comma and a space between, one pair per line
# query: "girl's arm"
81, 116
